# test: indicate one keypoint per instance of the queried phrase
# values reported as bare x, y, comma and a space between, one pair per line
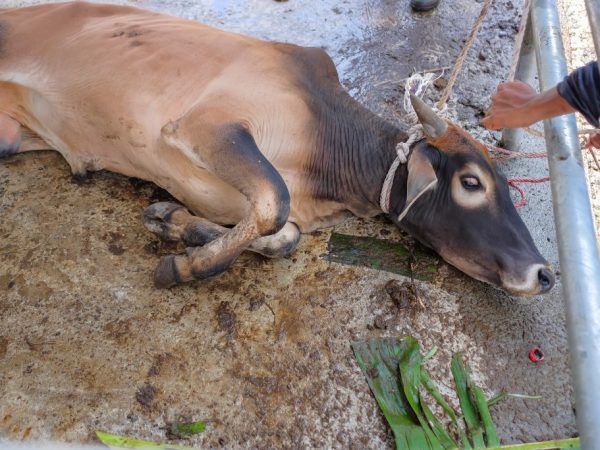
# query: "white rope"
416, 84
402, 151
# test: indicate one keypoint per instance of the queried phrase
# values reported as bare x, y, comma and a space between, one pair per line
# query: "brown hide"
243, 132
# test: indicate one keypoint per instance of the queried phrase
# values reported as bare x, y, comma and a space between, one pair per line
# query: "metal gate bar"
577, 242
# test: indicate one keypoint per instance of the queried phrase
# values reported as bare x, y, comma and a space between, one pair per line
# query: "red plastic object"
536, 355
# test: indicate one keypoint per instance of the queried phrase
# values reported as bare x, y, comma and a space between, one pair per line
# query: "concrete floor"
262, 353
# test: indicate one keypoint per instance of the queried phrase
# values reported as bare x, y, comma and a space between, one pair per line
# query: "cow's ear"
421, 178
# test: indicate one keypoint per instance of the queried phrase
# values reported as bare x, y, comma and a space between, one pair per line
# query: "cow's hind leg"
229, 152
172, 221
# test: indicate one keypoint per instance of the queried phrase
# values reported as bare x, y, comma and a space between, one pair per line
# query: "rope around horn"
417, 84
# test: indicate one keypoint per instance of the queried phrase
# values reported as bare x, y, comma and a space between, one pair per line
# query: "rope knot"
416, 84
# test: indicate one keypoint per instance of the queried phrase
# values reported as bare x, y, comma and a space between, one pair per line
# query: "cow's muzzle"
536, 279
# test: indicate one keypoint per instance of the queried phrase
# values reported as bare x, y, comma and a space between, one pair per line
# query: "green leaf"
379, 361
491, 436
187, 429
410, 374
118, 442
394, 371
461, 381
430, 386
438, 429
430, 353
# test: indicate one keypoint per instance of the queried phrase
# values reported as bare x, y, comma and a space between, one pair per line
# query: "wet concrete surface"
262, 353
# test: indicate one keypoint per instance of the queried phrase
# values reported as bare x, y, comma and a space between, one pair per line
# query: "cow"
258, 141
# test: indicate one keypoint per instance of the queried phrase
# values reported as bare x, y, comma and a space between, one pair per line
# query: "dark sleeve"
581, 90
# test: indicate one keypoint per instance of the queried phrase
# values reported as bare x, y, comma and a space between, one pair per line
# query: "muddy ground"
262, 353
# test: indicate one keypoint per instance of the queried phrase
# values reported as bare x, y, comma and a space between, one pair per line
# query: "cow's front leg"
171, 221
228, 151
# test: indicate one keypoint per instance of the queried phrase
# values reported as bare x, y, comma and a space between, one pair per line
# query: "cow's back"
120, 73
79, 49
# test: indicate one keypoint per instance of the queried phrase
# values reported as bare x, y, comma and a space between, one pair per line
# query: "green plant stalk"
440, 432
430, 387
502, 395
484, 412
410, 374
561, 444
430, 353
461, 381
114, 441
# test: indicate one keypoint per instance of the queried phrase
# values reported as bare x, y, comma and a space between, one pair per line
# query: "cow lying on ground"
249, 133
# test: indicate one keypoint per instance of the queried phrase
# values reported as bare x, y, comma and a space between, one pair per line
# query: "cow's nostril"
546, 279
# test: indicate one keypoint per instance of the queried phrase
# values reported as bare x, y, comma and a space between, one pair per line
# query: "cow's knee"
280, 244
272, 208
10, 135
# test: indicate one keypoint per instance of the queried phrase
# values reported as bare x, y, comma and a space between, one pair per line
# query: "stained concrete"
262, 353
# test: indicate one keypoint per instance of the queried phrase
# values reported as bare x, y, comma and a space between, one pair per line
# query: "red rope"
528, 180
509, 154
514, 183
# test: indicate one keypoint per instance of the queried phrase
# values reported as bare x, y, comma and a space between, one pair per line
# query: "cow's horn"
433, 125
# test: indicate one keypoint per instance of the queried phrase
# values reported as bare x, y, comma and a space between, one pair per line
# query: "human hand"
593, 140
511, 106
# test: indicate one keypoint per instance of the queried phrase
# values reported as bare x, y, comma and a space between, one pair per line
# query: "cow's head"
456, 202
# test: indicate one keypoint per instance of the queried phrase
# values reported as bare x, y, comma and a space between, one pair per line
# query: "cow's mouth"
535, 279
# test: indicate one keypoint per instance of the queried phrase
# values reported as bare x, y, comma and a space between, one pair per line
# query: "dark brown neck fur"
354, 149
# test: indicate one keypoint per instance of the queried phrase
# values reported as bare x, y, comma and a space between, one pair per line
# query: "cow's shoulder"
309, 62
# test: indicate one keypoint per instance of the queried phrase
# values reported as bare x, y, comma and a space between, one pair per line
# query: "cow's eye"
470, 183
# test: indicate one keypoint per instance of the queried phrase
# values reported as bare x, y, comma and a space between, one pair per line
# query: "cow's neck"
354, 151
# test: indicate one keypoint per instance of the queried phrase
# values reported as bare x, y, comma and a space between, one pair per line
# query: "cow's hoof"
166, 274
157, 219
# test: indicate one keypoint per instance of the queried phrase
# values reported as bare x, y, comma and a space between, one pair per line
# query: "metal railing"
577, 242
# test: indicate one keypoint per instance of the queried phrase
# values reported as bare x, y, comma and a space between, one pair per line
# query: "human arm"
516, 105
